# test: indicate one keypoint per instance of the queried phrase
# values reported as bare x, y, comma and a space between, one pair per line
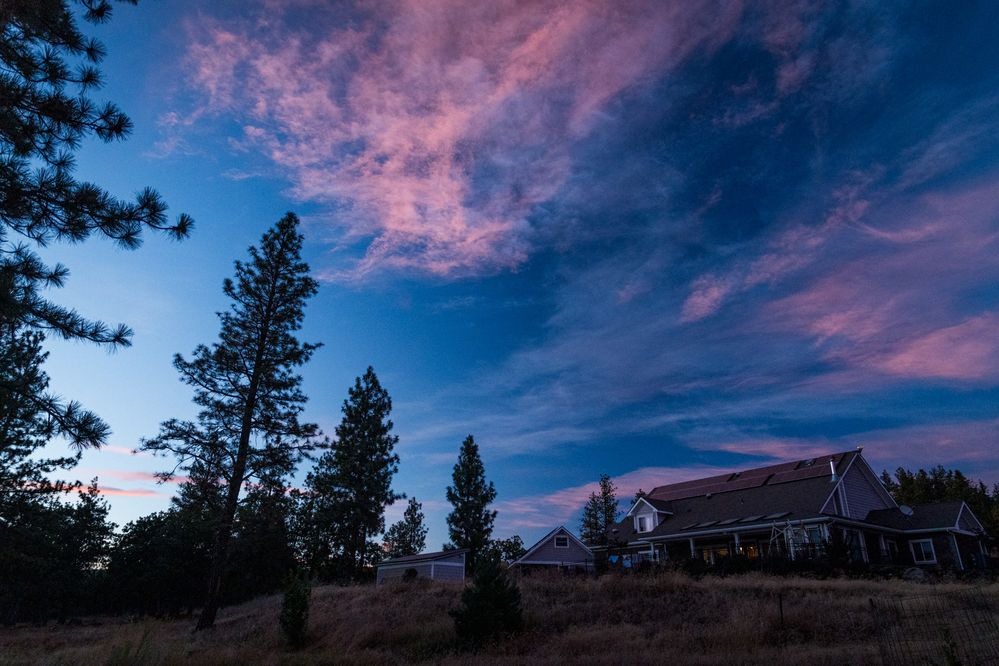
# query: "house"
559, 549
446, 565
795, 510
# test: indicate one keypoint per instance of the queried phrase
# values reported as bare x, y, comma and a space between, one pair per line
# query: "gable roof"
543, 540
425, 557
661, 506
938, 515
774, 493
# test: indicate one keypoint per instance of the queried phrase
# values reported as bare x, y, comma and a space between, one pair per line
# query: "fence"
945, 628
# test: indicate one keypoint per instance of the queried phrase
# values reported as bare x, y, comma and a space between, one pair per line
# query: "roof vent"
906, 509
707, 496
832, 468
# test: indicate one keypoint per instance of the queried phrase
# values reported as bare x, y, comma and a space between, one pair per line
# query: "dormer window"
642, 523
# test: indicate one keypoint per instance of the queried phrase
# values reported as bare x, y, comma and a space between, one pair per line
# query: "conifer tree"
350, 486
470, 523
409, 535
247, 387
600, 513
489, 607
49, 69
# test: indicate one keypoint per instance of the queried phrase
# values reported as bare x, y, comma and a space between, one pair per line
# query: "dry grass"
656, 619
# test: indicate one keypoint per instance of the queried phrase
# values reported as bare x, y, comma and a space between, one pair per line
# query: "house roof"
425, 557
775, 493
938, 515
544, 539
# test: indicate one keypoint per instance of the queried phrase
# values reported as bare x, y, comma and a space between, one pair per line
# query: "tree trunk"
223, 536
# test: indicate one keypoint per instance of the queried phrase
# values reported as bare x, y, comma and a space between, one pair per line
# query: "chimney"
832, 468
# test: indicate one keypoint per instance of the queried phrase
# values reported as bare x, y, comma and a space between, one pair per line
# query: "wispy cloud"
436, 142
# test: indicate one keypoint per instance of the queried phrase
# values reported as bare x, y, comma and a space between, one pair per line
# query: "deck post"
693, 551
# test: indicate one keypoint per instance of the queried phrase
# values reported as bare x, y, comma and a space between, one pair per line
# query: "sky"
656, 240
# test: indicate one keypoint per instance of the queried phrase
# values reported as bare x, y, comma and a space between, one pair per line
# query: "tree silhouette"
48, 69
470, 523
246, 386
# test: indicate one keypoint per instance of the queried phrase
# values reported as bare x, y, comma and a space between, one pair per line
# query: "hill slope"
668, 618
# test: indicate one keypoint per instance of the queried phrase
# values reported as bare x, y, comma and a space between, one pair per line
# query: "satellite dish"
906, 509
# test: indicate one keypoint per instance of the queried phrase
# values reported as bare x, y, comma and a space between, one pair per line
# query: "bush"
294, 616
490, 607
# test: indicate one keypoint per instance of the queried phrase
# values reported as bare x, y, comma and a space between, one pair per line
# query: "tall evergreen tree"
246, 386
409, 535
49, 69
470, 523
350, 486
600, 513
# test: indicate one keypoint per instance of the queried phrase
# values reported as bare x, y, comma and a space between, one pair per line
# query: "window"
922, 552
814, 534
561, 542
642, 523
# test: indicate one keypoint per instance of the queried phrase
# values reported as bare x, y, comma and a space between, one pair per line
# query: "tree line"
235, 528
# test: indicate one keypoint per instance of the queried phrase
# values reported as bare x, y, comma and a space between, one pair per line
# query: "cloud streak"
435, 130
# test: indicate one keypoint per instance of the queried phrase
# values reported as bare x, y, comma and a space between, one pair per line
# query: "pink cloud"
140, 476
968, 350
892, 310
777, 449
706, 297
394, 120
127, 492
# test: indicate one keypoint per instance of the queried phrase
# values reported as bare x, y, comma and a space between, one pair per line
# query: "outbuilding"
446, 565
559, 549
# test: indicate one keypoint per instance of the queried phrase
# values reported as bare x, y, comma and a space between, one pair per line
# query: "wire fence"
946, 628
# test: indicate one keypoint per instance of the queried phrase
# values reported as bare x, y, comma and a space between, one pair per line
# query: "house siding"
861, 496
444, 568
387, 574
968, 523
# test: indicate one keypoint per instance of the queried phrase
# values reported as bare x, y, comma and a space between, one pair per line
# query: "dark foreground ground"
668, 618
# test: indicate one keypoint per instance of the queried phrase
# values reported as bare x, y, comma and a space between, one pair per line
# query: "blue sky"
654, 240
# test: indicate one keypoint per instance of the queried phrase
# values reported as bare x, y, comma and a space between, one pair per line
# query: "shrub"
490, 607
294, 616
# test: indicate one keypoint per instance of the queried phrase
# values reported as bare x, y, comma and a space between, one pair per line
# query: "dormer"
646, 514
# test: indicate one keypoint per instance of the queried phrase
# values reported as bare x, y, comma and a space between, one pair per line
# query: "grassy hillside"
668, 618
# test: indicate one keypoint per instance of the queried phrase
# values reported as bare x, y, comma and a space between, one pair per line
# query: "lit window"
561, 542
922, 552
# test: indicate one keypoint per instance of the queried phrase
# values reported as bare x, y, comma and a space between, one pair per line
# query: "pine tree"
409, 535
246, 386
470, 523
350, 486
489, 607
49, 69
600, 513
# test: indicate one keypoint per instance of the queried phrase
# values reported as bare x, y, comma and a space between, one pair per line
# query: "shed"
558, 549
447, 565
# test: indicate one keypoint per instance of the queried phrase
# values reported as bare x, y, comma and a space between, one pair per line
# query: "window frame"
563, 538
933, 551
640, 521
